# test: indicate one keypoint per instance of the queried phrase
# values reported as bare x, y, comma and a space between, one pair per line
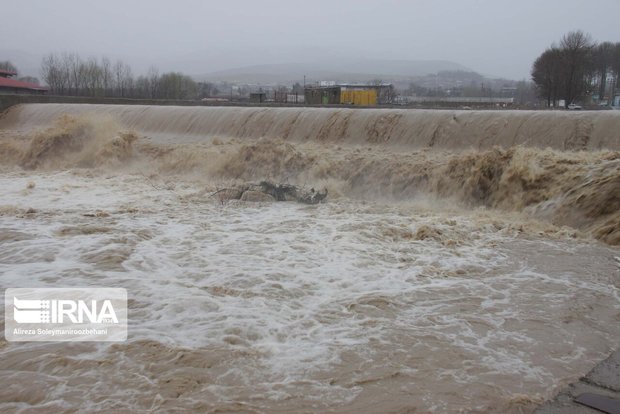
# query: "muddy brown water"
476, 274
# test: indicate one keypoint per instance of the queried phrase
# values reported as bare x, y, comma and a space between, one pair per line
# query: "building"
8, 85
322, 95
348, 94
258, 97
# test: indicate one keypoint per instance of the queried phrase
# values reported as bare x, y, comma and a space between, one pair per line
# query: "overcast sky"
493, 37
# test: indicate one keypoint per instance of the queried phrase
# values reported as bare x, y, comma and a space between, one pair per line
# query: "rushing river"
447, 280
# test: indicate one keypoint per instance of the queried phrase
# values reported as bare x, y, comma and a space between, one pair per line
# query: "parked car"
574, 107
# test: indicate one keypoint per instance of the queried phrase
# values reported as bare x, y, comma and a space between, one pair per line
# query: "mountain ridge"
350, 70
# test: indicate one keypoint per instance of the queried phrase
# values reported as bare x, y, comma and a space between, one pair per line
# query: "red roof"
4, 72
12, 83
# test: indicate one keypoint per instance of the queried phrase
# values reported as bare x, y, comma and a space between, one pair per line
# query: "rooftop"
349, 85
5, 73
12, 83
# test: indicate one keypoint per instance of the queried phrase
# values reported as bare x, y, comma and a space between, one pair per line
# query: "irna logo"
65, 314
63, 311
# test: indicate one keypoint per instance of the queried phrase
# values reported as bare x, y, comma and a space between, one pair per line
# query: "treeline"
577, 68
69, 74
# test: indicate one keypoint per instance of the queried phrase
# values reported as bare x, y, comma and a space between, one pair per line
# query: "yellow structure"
365, 97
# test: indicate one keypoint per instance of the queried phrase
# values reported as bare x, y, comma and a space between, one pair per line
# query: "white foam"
299, 287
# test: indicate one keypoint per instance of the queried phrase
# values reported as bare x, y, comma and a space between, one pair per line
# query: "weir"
406, 128
373, 154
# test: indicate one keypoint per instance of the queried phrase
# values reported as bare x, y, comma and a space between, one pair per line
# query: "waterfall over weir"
449, 129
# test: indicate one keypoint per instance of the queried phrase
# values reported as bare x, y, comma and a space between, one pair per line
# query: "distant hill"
343, 71
329, 66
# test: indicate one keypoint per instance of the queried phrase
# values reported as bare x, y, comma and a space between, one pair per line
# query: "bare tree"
547, 74
603, 57
54, 74
174, 85
576, 50
615, 70
565, 72
152, 76
106, 75
8, 66
123, 78
72, 61
70, 74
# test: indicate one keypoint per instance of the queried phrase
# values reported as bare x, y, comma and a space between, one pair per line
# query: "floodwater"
476, 277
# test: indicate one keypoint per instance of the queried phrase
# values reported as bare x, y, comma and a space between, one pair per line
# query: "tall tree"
106, 75
566, 72
547, 74
72, 63
576, 50
602, 60
70, 74
54, 73
152, 76
174, 85
122, 78
615, 70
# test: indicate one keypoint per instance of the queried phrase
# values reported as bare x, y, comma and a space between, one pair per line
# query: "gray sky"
494, 37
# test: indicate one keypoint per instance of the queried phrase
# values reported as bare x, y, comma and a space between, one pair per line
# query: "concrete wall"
8, 100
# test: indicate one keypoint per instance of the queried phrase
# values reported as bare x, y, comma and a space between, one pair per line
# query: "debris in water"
268, 191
